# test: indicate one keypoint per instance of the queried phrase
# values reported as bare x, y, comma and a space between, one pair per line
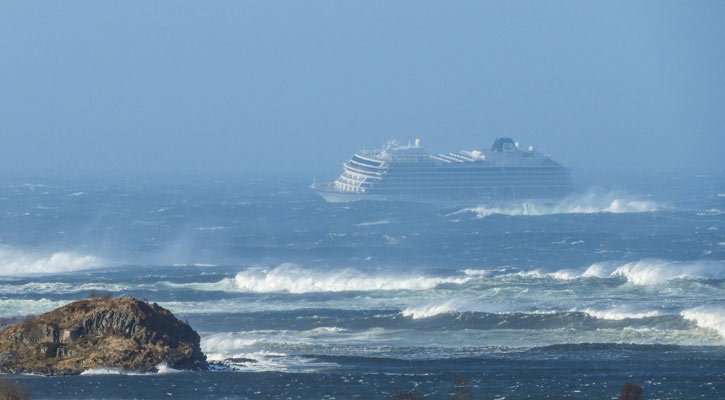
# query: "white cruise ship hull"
503, 174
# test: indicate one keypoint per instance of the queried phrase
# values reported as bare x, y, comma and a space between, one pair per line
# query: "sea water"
297, 298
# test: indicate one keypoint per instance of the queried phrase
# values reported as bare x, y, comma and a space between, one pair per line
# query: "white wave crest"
18, 262
708, 317
452, 306
594, 201
430, 310
295, 279
480, 273
655, 272
63, 287
104, 371
564, 274
618, 314
161, 368
164, 368
372, 223
256, 346
642, 272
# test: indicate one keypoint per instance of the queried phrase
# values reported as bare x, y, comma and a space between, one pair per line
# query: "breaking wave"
618, 314
372, 223
234, 352
161, 369
708, 317
655, 272
449, 307
592, 202
430, 310
642, 272
18, 262
295, 279
458, 307
63, 287
23, 307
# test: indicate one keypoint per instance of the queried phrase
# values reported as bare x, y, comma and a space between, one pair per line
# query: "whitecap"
372, 223
23, 307
164, 368
210, 228
618, 314
104, 371
594, 201
430, 310
296, 279
653, 272
62, 287
708, 316
21, 262
642, 272
451, 306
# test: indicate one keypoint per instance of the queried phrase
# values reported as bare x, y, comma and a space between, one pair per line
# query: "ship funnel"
417, 142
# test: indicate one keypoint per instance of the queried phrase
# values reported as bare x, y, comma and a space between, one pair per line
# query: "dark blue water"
370, 300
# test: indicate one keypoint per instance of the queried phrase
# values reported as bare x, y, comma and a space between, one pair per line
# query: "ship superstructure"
502, 173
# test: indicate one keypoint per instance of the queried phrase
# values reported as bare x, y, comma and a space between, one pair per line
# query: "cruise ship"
503, 173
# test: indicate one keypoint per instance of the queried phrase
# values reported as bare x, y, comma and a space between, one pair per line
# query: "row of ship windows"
474, 176
452, 175
423, 179
367, 165
468, 167
347, 167
407, 171
443, 185
354, 177
361, 161
460, 179
483, 190
348, 188
454, 184
473, 195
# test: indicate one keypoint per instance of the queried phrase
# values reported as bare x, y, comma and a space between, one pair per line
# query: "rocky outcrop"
121, 333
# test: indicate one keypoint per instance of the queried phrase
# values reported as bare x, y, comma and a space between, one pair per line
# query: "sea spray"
594, 201
22, 262
296, 279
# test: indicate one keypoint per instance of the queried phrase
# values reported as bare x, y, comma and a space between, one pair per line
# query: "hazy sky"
211, 86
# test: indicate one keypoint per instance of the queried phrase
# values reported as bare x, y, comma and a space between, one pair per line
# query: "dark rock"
240, 360
100, 332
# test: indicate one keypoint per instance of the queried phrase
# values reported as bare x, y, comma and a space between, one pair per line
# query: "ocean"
296, 298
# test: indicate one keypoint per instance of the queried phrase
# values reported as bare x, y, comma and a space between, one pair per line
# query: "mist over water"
266, 271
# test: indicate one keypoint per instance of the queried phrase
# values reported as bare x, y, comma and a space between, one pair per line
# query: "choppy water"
369, 300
